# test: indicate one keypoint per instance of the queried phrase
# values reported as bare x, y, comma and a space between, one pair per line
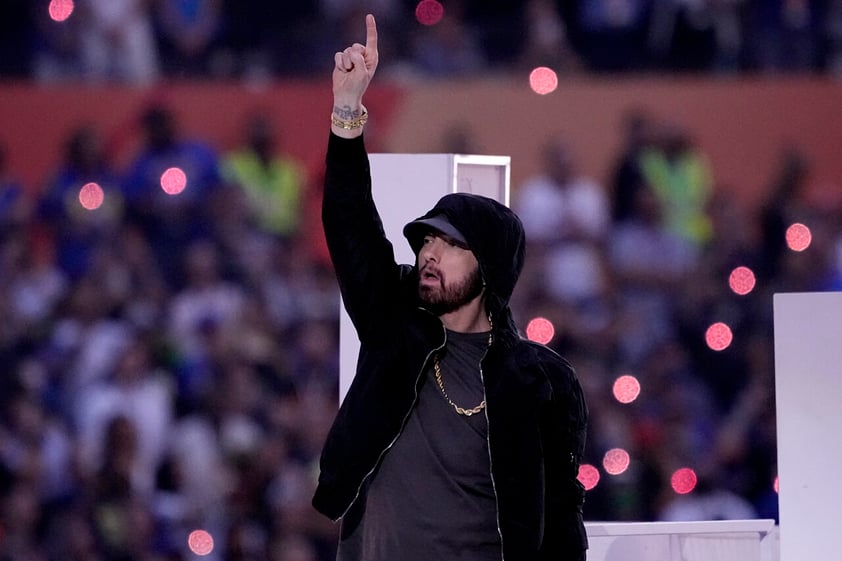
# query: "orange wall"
740, 123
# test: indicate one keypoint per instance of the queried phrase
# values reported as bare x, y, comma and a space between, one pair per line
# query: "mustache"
430, 270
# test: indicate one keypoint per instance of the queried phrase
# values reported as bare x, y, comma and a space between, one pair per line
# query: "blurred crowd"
170, 357
633, 272
170, 360
141, 41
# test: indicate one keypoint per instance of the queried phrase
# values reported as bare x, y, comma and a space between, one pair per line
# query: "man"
457, 440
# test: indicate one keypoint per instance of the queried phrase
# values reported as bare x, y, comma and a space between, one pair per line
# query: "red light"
616, 461
683, 481
200, 542
60, 10
540, 330
173, 181
798, 237
91, 196
543, 80
626, 389
775, 485
429, 12
742, 280
588, 476
718, 336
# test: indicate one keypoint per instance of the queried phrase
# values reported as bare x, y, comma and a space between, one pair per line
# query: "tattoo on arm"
346, 113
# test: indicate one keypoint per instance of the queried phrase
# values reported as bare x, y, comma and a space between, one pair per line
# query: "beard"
445, 299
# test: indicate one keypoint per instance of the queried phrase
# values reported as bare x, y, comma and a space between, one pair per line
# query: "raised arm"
354, 68
362, 256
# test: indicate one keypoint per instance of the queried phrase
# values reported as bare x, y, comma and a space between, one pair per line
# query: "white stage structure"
808, 386
715, 540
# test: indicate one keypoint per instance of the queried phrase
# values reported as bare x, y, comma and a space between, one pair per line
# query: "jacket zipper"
490, 466
403, 424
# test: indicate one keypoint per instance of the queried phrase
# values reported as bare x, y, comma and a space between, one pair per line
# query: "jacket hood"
494, 234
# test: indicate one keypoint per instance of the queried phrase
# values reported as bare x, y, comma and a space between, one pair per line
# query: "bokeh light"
683, 481
798, 237
429, 12
543, 80
91, 196
60, 10
718, 336
626, 388
616, 461
540, 330
742, 280
775, 485
173, 181
200, 542
588, 476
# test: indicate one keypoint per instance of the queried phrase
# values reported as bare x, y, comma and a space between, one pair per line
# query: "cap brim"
418, 228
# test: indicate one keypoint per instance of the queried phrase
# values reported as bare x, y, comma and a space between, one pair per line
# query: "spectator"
144, 395
785, 203
682, 35
118, 43
566, 218
627, 175
55, 50
833, 57
786, 35
680, 175
246, 29
38, 448
448, 48
501, 29
85, 342
78, 232
650, 265
170, 221
728, 35
202, 319
273, 181
35, 286
20, 516
122, 521
189, 33
15, 206
547, 42
296, 32
611, 35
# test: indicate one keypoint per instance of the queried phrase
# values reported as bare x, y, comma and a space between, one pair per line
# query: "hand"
354, 69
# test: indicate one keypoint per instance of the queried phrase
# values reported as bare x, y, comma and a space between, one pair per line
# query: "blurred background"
169, 346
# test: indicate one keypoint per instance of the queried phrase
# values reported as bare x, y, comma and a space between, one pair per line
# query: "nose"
430, 251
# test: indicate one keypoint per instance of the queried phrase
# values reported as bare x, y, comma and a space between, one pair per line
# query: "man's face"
449, 275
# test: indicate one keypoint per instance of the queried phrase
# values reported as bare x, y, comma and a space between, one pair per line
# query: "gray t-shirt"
432, 498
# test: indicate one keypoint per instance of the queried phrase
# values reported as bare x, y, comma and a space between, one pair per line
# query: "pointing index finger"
370, 33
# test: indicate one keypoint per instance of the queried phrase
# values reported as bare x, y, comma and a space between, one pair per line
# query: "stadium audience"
171, 361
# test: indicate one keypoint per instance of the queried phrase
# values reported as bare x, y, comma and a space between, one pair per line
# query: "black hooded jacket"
535, 408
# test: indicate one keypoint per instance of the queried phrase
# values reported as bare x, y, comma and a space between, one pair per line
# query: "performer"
458, 439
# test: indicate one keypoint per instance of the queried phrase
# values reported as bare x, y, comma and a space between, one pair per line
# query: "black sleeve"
362, 256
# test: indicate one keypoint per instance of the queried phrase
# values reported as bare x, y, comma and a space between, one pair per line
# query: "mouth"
429, 276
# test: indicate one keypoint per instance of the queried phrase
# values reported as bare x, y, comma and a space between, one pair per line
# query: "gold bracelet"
354, 123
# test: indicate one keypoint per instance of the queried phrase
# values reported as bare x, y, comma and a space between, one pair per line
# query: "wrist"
348, 111
349, 120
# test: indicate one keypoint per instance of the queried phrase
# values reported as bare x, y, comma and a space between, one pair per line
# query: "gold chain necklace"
461, 410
